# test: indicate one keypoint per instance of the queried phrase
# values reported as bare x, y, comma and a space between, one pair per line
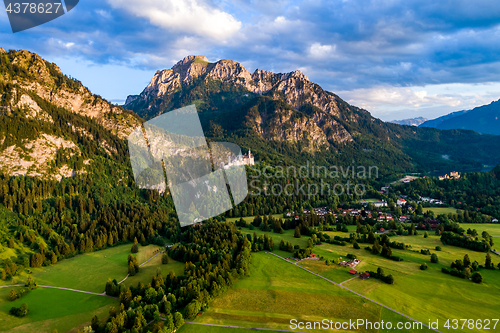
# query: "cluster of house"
376, 204
408, 179
321, 211
363, 276
430, 200
403, 201
350, 263
452, 175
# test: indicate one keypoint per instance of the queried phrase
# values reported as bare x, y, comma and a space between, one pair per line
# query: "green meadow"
371, 200
492, 228
423, 295
287, 236
192, 328
442, 210
249, 219
277, 291
148, 270
51, 309
63, 310
90, 271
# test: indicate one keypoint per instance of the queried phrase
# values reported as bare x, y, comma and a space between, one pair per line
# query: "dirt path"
371, 300
356, 277
83, 291
126, 277
76, 290
247, 328
151, 258
61, 288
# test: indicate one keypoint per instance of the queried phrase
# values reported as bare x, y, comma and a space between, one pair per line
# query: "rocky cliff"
48, 117
287, 115
294, 88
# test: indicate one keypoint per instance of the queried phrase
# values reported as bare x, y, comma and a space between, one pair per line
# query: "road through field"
340, 285
82, 291
126, 277
68, 289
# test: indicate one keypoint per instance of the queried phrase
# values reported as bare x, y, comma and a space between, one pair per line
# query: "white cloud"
390, 103
105, 14
185, 16
318, 51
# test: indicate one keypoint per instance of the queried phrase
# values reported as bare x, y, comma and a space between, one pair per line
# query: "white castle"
237, 160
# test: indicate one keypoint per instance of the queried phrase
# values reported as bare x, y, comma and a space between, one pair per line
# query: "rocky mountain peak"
294, 87
191, 67
299, 75
188, 61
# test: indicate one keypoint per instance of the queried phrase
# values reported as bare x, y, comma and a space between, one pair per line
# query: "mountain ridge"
53, 126
435, 122
482, 119
410, 122
245, 107
283, 118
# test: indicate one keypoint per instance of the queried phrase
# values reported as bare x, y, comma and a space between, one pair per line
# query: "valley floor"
71, 292
276, 291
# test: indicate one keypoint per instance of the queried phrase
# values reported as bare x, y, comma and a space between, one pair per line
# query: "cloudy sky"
397, 59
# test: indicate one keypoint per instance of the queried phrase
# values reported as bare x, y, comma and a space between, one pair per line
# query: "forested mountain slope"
288, 117
51, 125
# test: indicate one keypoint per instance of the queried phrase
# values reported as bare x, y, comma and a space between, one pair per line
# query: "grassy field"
278, 291
371, 200
423, 295
191, 328
51, 309
287, 236
492, 228
269, 297
441, 210
148, 270
87, 272
90, 271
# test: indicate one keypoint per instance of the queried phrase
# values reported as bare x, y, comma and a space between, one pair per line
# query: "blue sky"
397, 59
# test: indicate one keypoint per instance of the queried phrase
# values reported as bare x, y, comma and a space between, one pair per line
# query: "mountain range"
285, 116
410, 122
53, 126
483, 119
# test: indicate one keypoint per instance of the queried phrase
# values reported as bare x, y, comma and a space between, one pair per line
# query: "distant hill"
410, 122
483, 119
434, 123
